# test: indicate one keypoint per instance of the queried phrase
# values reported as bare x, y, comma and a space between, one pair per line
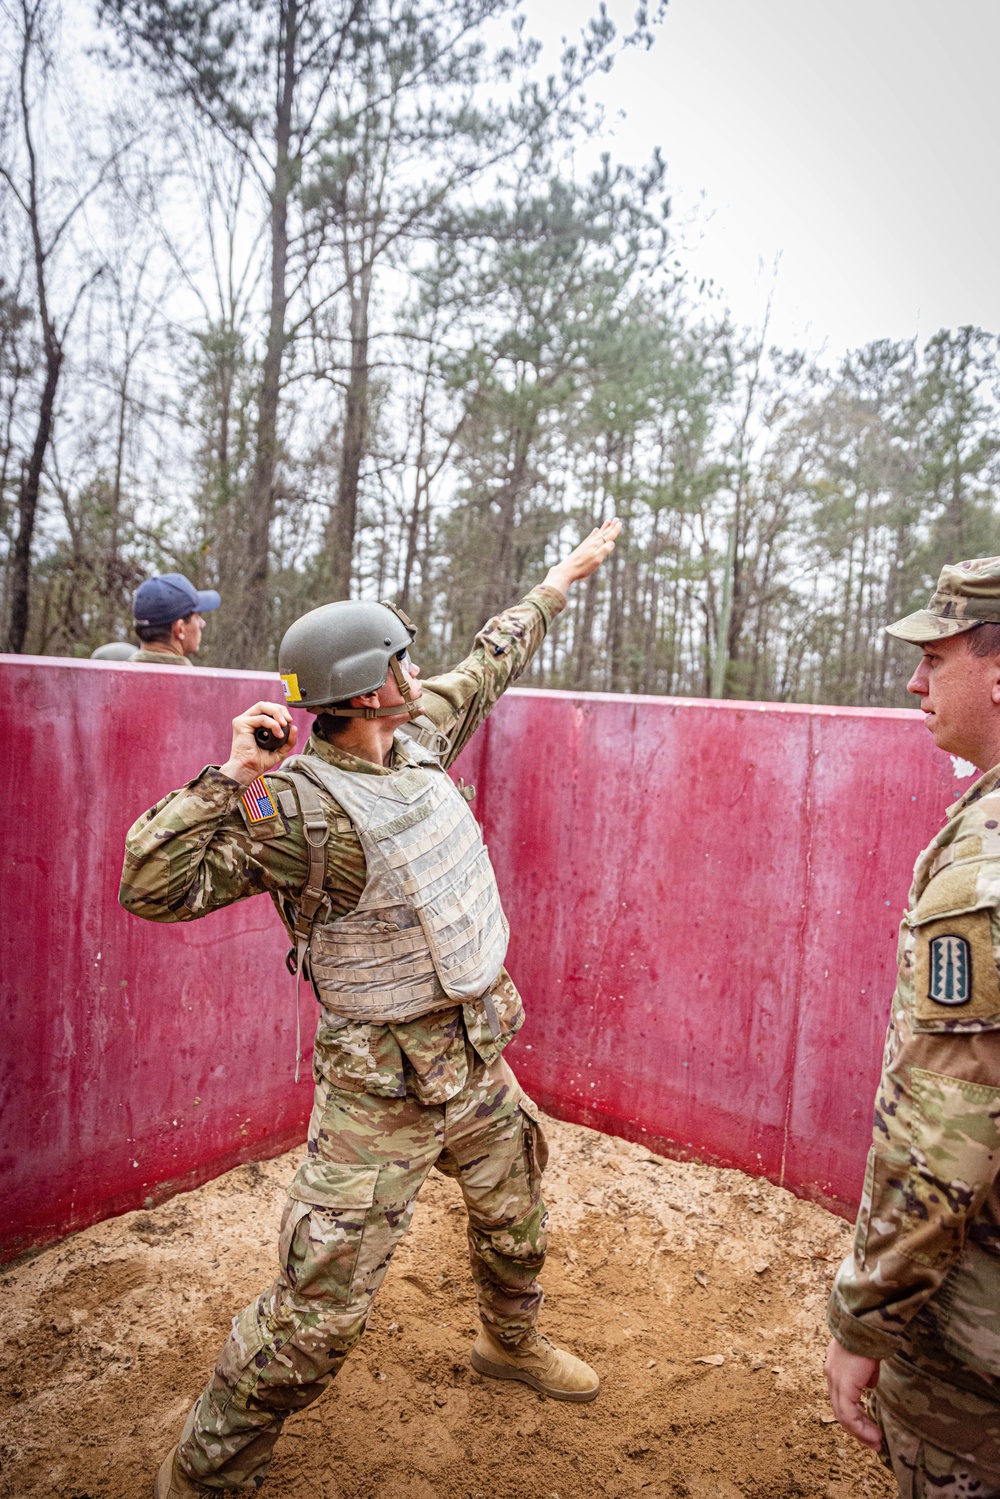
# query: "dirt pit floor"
697, 1294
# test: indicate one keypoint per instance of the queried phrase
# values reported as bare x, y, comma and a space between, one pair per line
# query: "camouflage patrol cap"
967, 594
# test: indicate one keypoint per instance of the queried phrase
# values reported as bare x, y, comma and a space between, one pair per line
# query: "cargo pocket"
954, 1152
967, 1310
322, 1227
536, 1147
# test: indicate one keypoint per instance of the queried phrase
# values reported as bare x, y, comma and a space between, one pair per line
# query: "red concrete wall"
136, 1058
704, 899
694, 888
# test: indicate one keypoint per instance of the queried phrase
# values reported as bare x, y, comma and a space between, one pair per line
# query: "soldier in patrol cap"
167, 617
915, 1308
379, 872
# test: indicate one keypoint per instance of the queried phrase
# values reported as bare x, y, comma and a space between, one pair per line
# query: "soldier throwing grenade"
380, 874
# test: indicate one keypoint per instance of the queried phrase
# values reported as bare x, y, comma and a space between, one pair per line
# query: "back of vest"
429, 928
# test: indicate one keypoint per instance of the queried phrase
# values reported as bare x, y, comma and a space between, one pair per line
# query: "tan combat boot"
536, 1362
173, 1483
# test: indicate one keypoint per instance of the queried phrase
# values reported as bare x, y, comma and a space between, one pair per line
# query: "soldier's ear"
992, 662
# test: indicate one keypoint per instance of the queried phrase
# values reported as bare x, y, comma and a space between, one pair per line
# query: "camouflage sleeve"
936, 1133
192, 854
179, 863
457, 701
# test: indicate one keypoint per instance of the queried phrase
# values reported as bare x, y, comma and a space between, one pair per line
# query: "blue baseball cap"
161, 600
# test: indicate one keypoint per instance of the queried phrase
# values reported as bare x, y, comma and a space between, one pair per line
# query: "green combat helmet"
345, 650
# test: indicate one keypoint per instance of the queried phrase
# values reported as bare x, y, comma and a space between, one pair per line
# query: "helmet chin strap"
413, 708
393, 710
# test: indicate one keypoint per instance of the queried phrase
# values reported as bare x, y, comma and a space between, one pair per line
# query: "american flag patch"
257, 803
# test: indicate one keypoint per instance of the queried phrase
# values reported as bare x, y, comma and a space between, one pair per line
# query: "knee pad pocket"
322, 1228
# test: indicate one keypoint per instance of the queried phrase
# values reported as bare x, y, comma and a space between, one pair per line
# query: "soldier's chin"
937, 733
942, 738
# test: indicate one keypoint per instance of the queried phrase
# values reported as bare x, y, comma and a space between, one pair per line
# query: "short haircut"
984, 640
327, 725
158, 634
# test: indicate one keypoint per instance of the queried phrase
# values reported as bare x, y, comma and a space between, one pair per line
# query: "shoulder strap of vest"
423, 732
317, 831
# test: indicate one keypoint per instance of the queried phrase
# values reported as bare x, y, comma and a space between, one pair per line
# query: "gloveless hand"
848, 1375
247, 760
586, 558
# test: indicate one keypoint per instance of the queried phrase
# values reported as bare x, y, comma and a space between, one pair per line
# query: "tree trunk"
249, 630
421, 490
412, 533
31, 478
345, 517
583, 635
27, 503
722, 654
616, 622
652, 609
498, 594
227, 378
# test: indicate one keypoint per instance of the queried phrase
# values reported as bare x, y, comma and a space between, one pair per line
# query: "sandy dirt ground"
697, 1294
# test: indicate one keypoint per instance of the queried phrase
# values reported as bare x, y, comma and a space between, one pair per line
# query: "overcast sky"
856, 139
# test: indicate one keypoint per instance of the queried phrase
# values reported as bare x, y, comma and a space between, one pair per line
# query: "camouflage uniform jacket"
161, 658
194, 853
928, 1230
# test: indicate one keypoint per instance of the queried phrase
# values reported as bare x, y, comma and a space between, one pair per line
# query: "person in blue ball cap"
167, 617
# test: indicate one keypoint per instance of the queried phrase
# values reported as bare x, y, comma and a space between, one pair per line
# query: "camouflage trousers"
348, 1206
940, 1422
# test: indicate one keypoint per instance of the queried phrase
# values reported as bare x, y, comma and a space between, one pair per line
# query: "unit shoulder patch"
950, 970
956, 984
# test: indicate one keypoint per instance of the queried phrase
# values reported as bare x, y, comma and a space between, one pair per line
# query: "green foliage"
473, 354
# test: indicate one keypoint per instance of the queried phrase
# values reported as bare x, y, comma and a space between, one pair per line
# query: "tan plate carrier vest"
429, 927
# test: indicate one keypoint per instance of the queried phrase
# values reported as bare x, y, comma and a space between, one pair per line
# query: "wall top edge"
73, 663
721, 705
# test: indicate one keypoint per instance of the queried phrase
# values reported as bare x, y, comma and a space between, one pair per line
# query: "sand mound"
697, 1294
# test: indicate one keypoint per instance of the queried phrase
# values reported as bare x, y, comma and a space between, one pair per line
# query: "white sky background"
857, 140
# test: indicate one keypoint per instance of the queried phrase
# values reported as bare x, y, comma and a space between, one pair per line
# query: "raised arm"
457, 701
